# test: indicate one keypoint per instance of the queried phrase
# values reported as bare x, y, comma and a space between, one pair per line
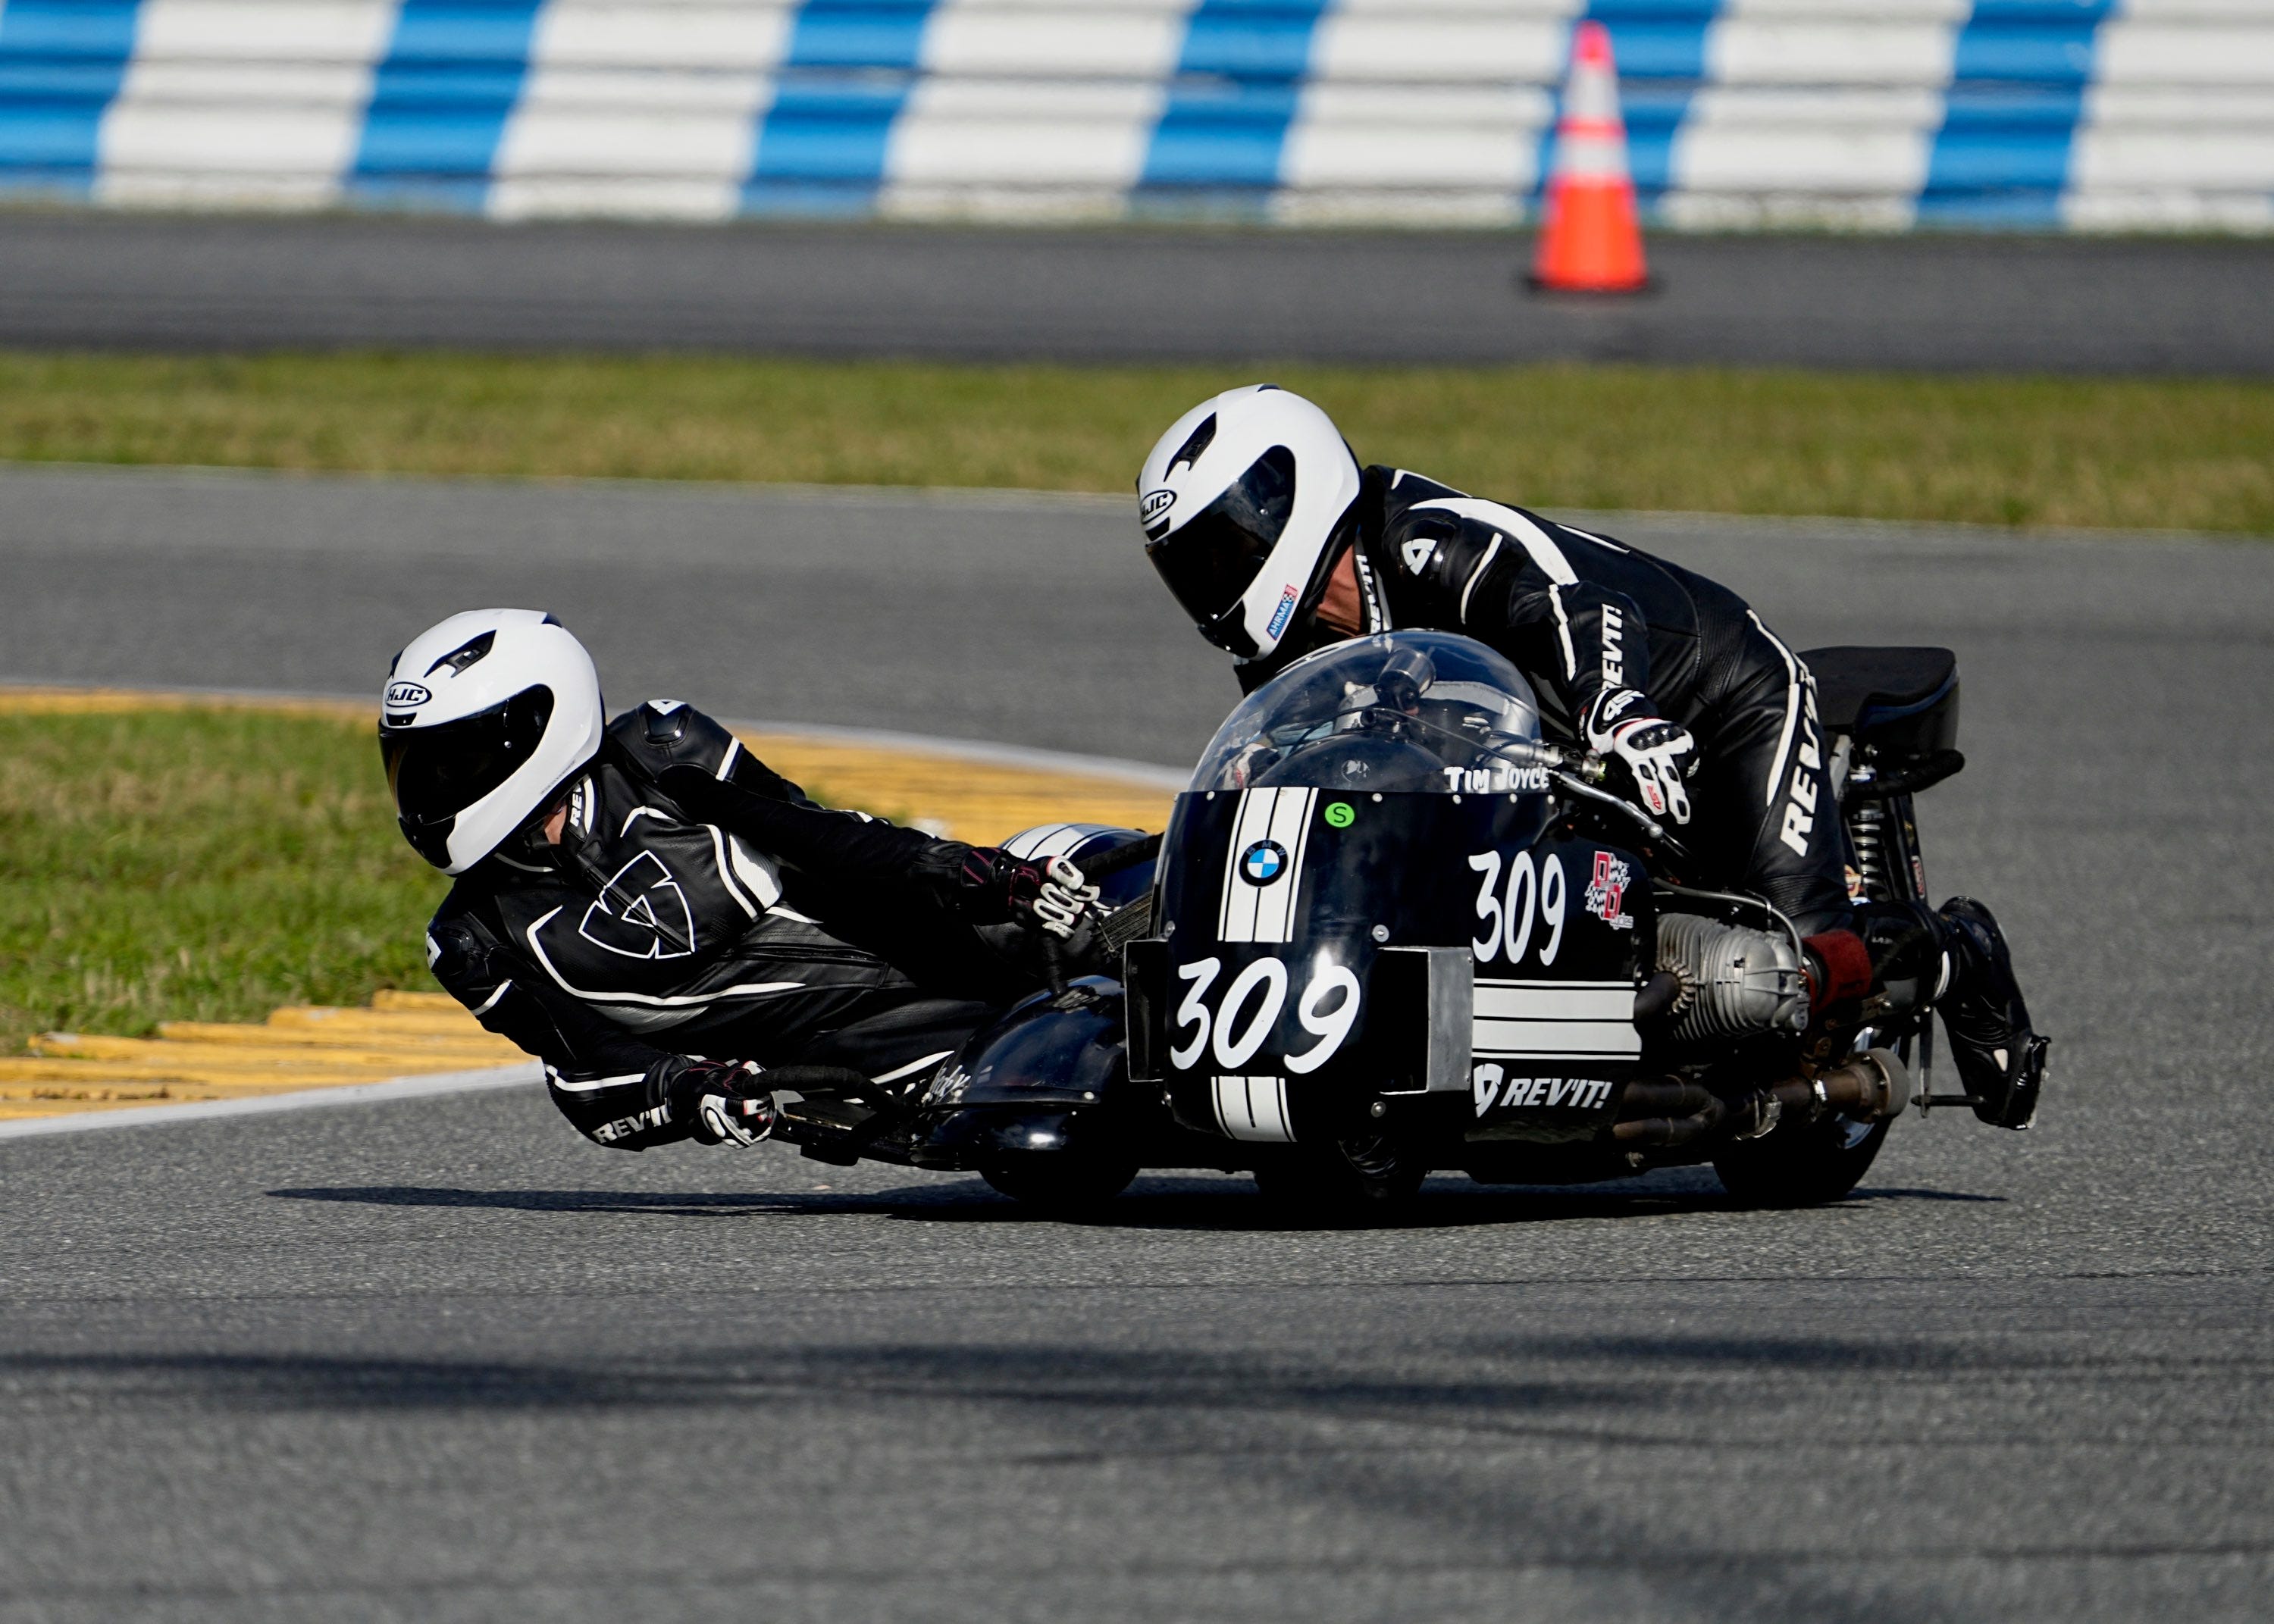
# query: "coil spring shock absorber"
1867, 833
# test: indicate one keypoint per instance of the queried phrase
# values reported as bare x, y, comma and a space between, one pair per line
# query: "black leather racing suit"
647, 935
1575, 612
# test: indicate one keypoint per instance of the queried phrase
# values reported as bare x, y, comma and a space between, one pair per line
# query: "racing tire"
1358, 1180
1801, 1163
1059, 1183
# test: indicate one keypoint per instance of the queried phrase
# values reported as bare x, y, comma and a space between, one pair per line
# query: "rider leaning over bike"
657, 915
1275, 540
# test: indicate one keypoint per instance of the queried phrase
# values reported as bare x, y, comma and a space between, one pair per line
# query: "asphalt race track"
441, 1360
1938, 303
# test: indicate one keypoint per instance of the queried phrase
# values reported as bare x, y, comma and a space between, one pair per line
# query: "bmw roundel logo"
1263, 862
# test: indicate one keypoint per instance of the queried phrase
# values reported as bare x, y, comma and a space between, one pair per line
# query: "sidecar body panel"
1293, 992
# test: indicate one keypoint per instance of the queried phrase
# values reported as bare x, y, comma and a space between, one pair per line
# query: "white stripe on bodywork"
1253, 1109
1555, 1039
1590, 1019
1593, 1001
1251, 913
1791, 710
1046, 841
1024, 843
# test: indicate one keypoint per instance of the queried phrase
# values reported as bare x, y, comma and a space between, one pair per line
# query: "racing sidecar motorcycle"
1392, 929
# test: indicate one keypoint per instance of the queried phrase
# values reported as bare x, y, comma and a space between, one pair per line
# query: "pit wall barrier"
2080, 115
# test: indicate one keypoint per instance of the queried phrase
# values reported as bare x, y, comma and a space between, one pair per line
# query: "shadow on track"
1447, 1454
1162, 1204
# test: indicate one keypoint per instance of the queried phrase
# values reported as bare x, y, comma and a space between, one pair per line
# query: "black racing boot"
1905, 942
2000, 1058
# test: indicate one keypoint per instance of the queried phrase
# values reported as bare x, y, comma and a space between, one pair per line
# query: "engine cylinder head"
1739, 980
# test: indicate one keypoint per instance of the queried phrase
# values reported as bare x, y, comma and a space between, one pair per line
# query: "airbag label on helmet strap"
403, 695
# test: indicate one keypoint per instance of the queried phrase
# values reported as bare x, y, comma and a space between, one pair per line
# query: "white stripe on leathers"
1794, 677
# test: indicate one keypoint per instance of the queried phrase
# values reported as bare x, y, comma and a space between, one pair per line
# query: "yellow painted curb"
975, 800
400, 1034
404, 1034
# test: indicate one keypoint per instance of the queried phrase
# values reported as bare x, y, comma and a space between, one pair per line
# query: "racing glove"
1051, 895
722, 1102
1658, 753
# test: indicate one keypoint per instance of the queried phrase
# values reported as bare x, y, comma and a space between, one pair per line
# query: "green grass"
201, 864
2190, 454
208, 863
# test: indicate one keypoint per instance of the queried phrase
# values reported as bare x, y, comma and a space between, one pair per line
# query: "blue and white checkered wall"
1876, 114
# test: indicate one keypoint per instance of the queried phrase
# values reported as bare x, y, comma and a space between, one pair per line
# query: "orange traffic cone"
1588, 241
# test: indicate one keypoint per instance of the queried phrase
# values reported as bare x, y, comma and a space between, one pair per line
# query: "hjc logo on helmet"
1155, 504
402, 695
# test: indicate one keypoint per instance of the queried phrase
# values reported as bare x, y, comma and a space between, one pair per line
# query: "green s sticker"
1339, 815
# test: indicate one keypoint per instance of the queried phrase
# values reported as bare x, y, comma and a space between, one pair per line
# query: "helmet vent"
1200, 439
464, 655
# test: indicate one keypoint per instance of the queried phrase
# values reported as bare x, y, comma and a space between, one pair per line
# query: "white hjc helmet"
483, 718
1239, 500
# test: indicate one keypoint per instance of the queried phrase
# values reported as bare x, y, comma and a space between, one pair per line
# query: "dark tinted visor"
1214, 559
437, 772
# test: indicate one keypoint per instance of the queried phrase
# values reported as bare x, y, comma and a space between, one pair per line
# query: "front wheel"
1801, 1163
1062, 1183
1350, 1181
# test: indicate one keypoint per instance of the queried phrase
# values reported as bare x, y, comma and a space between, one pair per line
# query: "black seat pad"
1850, 681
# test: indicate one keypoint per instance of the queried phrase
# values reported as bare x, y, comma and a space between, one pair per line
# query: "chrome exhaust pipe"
1874, 1084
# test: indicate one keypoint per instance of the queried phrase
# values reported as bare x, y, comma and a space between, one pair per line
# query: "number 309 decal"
1505, 919
1327, 1010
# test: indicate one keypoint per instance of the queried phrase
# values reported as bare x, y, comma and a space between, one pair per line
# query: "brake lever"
1651, 826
